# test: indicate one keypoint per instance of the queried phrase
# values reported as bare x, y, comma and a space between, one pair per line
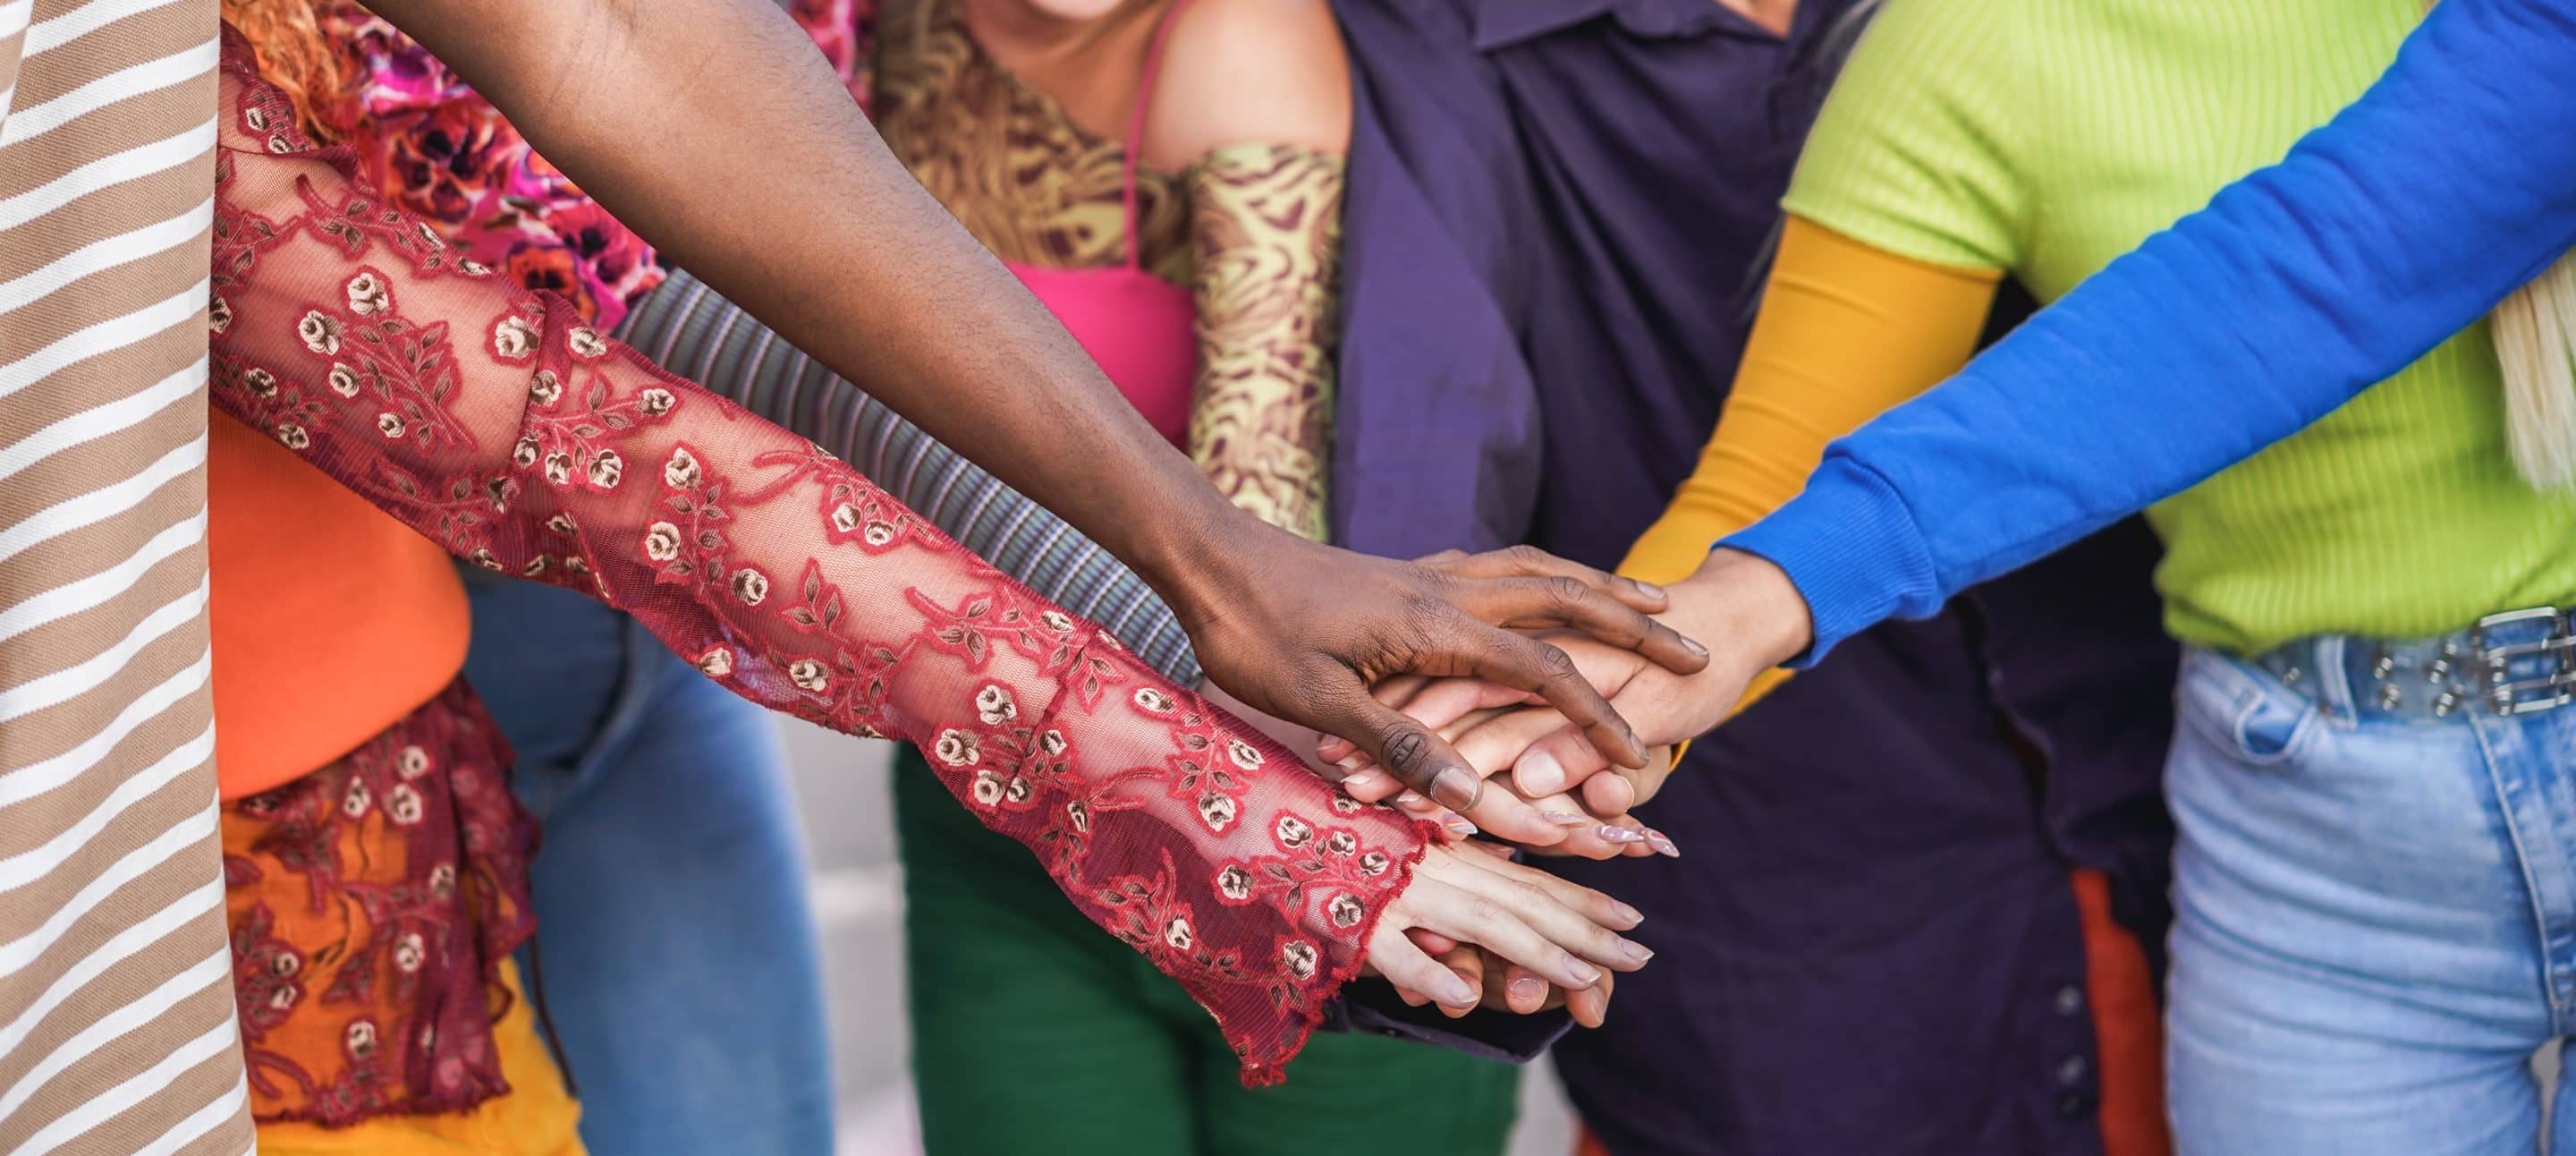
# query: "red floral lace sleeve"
499, 424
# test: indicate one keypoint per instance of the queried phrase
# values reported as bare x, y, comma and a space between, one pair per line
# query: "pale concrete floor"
858, 897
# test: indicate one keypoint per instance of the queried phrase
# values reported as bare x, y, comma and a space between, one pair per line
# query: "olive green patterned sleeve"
1265, 234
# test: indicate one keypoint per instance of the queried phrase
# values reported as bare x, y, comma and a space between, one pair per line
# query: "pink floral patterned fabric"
507, 428
435, 148
372, 903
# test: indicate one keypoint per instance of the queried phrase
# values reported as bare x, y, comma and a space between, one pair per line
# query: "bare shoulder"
1249, 71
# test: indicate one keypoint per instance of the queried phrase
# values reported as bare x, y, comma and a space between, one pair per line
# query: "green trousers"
1035, 1032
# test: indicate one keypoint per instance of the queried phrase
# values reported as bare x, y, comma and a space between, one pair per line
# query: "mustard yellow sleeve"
1846, 332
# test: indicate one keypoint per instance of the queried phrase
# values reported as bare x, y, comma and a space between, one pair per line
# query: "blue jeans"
678, 951
2376, 915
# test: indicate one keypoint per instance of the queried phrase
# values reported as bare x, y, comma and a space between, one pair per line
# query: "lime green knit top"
2043, 138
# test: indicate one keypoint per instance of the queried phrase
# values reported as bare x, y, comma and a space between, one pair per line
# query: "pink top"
1139, 328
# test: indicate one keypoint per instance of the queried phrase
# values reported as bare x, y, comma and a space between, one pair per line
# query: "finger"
1523, 662
1469, 964
1532, 562
1593, 838
1610, 794
1407, 967
1499, 924
1431, 942
1575, 897
1371, 785
1591, 1007
1441, 701
1407, 750
1510, 818
1546, 603
1397, 691
1523, 992
1510, 738
1445, 703
1556, 761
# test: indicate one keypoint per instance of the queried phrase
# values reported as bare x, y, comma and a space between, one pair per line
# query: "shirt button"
2070, 1000
2070, 1071
2074, 1105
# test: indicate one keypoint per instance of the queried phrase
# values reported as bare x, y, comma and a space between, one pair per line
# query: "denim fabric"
675, 944
2376, 915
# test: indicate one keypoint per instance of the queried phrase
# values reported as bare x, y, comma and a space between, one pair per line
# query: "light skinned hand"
1507, 986
1558, 930
1746, 607
1555, 824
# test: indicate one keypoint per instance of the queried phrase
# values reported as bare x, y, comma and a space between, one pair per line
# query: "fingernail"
1563, 819
1648, 588
1663, 845
1350, 761
1539, 774
1457, 825
1365, 780
1456, 789
1613, 833
1692, 645
1583, 973
1636, 951
1459, 993
1631, 914
1412, 801
1528, 988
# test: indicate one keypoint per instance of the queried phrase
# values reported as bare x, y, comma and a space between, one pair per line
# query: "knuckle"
1485, 913
1568, 590
1556, 664
1406, 751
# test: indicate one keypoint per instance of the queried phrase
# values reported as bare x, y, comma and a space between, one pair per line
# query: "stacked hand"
1563, 795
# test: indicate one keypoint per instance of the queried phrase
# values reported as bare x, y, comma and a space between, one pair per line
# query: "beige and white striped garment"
116, 1001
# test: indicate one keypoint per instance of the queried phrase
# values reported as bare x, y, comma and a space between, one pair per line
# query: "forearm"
501, 426
2399, 223
1846, 332
1266, 230
715, 131
694, 332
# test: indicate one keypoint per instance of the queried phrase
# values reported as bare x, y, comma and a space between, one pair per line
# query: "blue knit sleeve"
2449, 184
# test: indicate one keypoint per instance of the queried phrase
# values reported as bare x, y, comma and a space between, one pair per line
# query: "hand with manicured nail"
1743, 602
1555, 824
1307, 630
1561, 932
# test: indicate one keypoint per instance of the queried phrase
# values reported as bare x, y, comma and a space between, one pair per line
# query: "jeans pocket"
2244, 710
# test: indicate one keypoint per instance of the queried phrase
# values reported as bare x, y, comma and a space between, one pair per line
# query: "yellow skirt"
537, 1118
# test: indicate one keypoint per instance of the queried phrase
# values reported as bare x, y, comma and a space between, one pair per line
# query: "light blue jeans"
2376, 915
675, 942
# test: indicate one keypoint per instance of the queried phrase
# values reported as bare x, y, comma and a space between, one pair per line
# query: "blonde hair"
295, 56
2535, 342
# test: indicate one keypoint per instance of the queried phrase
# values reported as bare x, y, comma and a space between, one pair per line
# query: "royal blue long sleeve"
2449, 184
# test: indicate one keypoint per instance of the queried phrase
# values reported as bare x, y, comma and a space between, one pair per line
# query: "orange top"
1846, 332
331, 620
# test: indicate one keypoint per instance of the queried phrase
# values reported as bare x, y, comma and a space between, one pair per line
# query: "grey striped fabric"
116, 1000
694, 332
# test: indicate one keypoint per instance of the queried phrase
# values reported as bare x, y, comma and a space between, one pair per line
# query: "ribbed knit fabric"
2046, 138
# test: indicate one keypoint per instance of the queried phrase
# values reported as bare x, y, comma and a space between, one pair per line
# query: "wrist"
1197, 554
1744, 606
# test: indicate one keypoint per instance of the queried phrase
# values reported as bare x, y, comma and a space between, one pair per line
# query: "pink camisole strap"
1139, 328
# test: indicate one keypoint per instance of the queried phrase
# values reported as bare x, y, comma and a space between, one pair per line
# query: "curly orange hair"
298, 59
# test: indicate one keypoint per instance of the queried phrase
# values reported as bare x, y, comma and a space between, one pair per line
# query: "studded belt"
2516, 662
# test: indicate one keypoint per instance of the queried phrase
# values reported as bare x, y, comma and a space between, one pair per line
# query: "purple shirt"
1556, 217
